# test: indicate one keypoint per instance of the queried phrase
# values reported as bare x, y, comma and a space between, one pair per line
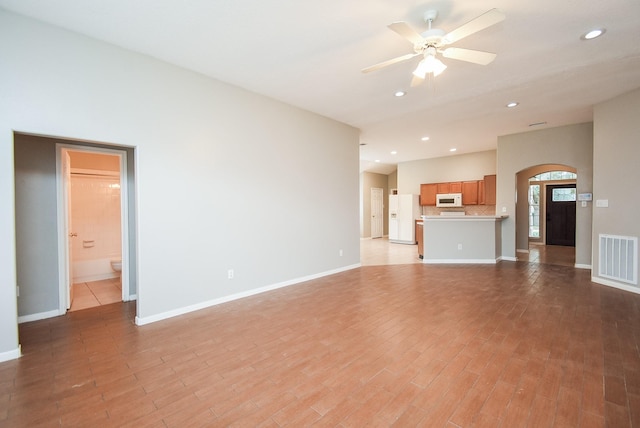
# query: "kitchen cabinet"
443, 187
450, 187
420, 238
490, 189
470, 192
474, 192
428, 194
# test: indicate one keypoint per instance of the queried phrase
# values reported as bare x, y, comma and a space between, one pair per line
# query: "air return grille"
618, 258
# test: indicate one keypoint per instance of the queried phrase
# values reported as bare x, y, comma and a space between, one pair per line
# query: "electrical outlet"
340, 252
230, 274
459, 246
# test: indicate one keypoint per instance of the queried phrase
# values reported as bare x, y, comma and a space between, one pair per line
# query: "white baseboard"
10, 355
614, 284
581, 266
224, 299
39, 316
520, 250
509, 259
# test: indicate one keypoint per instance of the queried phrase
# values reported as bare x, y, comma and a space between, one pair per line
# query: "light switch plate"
602, 203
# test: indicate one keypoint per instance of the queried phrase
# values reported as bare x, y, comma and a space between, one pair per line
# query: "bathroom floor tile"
96, 293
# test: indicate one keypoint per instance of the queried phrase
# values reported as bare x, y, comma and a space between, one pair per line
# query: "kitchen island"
462, 239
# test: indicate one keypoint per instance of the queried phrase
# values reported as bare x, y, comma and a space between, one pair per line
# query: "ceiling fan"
433, 41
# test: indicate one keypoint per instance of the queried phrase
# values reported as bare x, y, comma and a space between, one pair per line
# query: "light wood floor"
516, 344
381, 252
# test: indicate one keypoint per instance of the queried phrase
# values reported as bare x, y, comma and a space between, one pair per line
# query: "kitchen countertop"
464, 217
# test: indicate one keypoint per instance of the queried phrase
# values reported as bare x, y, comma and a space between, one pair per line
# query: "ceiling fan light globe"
430, 64
439, 67
421, 70
419, 73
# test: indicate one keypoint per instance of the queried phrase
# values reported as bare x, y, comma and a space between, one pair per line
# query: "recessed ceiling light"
400, 94
425, 138
453, 149
378, 160
593, 34
512, 104
394, 152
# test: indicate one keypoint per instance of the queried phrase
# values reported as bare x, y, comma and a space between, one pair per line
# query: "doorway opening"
42, 262
93, 226
549, 212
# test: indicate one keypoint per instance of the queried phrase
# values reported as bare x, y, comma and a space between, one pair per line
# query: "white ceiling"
309, 54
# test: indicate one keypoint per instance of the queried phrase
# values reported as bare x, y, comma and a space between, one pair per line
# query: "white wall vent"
618, 258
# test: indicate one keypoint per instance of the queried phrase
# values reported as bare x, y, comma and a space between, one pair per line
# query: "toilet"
116, 265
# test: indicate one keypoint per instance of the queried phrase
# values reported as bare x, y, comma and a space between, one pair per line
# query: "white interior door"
377, 219
68, 225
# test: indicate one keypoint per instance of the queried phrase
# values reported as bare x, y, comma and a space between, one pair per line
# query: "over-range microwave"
449, 200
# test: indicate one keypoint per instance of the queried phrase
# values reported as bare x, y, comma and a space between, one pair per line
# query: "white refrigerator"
404, 210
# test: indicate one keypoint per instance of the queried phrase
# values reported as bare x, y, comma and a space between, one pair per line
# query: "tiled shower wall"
95, 214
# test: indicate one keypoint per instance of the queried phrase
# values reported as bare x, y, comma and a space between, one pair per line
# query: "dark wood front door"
561, 215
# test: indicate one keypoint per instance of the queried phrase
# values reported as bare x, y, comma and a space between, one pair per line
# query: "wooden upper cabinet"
428, 194
470, 192
490, 189
473, 192
451, 187
443, 187
455, 187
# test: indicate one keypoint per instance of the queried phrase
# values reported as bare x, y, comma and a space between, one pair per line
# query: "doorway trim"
63, 215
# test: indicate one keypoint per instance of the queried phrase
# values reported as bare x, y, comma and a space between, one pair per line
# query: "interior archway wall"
522, 200
565, 145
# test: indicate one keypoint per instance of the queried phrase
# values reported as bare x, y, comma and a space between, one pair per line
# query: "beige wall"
393, 180
616, 171
567, 145
225, 178
472, 166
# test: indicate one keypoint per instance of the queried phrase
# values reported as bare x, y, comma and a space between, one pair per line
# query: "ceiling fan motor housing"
432, 37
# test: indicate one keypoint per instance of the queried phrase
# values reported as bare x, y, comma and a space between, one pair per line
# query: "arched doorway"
546, 214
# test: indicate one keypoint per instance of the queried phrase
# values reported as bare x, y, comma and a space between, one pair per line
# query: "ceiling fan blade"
403, 29
485, 20
469, 55
389, 62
